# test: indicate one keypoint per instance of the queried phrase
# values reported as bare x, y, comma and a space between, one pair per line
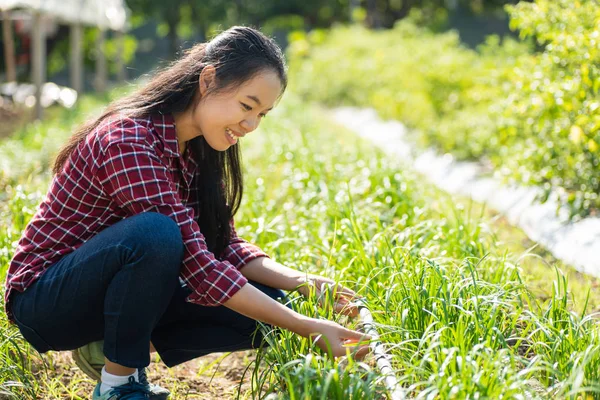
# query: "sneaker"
156, 392
90, 359
130, 391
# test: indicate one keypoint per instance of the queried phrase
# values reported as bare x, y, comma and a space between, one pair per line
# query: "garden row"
531, 108
448, 299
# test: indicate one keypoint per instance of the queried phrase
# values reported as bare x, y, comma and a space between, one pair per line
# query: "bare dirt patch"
215, 376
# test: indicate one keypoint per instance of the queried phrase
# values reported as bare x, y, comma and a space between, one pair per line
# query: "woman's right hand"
336, 340
328, 335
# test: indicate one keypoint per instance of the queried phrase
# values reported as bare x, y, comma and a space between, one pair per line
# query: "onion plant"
450, 301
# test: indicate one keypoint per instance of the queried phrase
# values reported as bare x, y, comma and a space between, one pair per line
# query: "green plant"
448, 299
533, 114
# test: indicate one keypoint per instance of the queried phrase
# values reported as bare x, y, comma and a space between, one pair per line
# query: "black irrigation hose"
378, 349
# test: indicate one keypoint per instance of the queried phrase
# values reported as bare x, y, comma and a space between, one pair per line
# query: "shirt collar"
165, 127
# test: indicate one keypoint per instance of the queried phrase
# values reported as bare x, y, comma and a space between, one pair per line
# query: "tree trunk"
121, 71
76, 57
373, 18
38, 57
101, 70
9, 47
173, 42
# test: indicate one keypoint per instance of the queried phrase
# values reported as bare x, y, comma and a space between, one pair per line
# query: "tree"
194, 18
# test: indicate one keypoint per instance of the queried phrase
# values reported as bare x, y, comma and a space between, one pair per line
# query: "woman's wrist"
306, 282
305, 286
304, 326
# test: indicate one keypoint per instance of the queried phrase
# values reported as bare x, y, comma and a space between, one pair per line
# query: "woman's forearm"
268, 272
328, 335
253, 303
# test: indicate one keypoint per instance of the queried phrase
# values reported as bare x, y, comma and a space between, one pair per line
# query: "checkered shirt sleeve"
239, 252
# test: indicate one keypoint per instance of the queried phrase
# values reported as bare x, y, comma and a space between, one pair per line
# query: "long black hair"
238, 54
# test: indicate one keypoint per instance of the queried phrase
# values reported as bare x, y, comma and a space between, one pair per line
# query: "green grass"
450, 298
463, 312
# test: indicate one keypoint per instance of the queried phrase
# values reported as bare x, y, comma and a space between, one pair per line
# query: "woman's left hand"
342, 295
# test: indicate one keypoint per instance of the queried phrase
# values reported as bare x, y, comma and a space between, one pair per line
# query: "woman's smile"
231, 137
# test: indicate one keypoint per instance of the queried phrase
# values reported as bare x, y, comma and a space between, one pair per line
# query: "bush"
534, 115
550, 113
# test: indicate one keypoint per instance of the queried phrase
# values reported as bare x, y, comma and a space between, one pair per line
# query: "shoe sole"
158, 397
85, 367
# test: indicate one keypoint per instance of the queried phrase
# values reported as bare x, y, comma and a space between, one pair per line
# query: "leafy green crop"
452, 306
448, 301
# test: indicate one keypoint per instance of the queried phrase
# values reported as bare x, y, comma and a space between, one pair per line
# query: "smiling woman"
134, 247
225, 118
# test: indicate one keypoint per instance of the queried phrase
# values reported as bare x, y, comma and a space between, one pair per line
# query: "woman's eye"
246, 107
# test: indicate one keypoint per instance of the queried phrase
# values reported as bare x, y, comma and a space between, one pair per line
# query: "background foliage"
181, 22
531, 109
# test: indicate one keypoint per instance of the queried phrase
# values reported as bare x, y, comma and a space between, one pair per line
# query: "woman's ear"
207, 79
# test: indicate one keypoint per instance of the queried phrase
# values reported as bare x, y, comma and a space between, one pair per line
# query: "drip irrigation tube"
378, 349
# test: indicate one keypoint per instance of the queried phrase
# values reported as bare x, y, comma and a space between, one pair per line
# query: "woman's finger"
342, 290
358, 349
346, 308
356, 335
348, 297
361, 352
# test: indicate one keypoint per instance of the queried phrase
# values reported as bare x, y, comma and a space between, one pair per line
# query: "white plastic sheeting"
576, 243
107, 14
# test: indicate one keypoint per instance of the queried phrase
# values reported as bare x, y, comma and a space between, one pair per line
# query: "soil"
215, 376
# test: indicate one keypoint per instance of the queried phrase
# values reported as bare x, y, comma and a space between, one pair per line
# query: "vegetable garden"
465, 307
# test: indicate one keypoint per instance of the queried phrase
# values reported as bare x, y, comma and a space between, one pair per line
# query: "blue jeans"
123, 286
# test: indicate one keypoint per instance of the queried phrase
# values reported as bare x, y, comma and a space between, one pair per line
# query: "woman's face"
224, 117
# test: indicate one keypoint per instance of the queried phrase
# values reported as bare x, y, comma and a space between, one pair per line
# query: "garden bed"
449, 300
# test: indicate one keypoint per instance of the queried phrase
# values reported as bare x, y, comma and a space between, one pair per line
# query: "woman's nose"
249, 124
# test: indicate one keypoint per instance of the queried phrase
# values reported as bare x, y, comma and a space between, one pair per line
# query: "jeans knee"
158, 237
160, 230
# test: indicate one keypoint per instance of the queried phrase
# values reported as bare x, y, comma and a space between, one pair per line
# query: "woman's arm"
270, 273
329, 335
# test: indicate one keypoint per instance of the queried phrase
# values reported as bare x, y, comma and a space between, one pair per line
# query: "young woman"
135, 244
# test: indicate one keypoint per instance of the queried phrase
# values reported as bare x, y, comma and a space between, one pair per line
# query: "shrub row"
529, 107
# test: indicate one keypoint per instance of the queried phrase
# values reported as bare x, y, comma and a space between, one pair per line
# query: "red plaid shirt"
126, 167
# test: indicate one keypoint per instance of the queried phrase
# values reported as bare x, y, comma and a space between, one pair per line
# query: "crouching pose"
134, 248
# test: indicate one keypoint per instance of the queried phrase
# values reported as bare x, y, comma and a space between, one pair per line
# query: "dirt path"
216, 376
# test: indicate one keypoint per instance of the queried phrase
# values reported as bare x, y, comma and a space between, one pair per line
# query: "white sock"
109, 380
